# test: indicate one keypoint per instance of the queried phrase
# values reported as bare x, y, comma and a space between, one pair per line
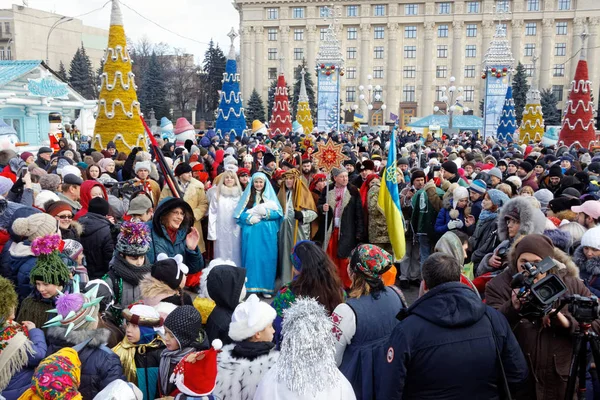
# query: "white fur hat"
250, 317
142, 165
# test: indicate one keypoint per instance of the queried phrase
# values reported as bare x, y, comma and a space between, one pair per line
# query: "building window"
379, 10
272, 13
378, 72
2, 53
351, 11
469, 71
410, 32
378, 51
408, 93
272, 54
410, 51
560, 49
471, 30
557, 91
442, 51
564, 5
323, 10
8, 53
443, 31
379, 32
352, 34
470, 51
7, 28
411, 9
409, 72
528, 69
533, 5
351, 94
351, 73
444, 8
561, 28
298, 12
323, 32
438, 93
529, 49
530, 29
558, 70
441, 71
473, 7
351, 53
469, 93
272, 34
298, 34
298, 53
503, 5
272, 73
377, 92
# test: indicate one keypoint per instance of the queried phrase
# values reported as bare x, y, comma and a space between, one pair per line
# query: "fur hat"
249, 318
44, 197
142, 165
182, 168
134, 238
185, 323
268, 158
196, 374
337, 171
35, 226
171, 271
49, 182
536, 244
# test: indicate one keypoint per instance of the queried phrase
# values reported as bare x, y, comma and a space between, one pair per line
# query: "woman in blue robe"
259, 214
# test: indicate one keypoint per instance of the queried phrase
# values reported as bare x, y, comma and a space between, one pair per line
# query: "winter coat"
238, 376
426, 204
97, 242
443, 218
99, 364
146, 364
548, 350
43, 164
154, 291
476, 208
589, 270
17, 263
75, 205
34, 308
484, 240
443, 349
162, 244
224, 285
352, 221
73, 232
531, 181
378, 231
21, 380
85, 196
196, 197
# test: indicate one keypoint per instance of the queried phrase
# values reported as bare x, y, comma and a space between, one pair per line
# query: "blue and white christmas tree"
231, 119
508, 122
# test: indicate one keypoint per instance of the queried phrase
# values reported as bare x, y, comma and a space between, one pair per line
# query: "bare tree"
183, 81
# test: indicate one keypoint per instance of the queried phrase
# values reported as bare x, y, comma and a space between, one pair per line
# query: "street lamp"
452, 97
62, 20
366, 96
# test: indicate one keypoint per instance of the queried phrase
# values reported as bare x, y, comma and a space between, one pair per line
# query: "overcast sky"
200, 20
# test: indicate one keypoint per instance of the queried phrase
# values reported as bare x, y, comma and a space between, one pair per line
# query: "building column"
285, 51
311, 49
488, 32
593, 55
545, 67
393, 88
517, 35
259, 61
426, 98
578, 25
457, 52
246, 60
365, 56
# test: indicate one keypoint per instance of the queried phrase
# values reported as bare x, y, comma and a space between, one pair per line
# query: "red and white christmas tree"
578, 120
281, 120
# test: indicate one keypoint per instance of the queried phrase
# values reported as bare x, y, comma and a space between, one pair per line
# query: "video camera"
583, 309
538, 297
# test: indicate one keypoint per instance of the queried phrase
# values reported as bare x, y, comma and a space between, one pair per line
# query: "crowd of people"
263, 277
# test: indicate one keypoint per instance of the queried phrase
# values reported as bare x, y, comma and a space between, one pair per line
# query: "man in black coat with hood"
96, 239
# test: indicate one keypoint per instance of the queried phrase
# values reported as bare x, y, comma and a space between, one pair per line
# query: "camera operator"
547, 342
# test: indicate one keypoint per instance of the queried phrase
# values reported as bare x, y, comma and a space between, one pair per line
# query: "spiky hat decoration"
134, 239
75, 310
49, 267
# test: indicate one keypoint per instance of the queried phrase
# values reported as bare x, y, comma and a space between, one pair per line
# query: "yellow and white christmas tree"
118, 117
532, 124
303, 115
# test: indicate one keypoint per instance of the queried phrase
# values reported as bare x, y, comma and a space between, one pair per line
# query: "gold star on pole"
329, 156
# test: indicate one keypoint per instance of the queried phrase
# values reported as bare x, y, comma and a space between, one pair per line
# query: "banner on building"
328, 95
495, 92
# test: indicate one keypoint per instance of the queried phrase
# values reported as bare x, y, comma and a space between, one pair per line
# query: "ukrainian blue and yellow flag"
389, 201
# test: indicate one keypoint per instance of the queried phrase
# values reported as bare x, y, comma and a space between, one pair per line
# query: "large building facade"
30, 34
410, 48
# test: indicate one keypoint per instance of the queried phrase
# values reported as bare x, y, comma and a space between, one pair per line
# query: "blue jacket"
443, 217
17, 267
193, 259
21, 381
444, 349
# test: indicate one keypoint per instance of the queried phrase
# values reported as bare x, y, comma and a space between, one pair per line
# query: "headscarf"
57, 377
301, 196
316, 179
268, 194
371, 261
85, 197
450, 244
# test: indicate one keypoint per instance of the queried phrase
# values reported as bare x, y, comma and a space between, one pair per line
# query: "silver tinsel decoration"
306, 363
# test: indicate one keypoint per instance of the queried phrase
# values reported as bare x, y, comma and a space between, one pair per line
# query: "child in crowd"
165, 282
73, 251
196, 374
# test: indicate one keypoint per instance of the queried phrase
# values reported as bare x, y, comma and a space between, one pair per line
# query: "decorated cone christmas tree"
508, 123
303, 116
118, 116
281, 121
230, 114
532, 124
578, 121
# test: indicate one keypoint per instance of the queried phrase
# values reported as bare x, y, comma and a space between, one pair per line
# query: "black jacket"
43, 164
483, 241
224, 285
97, 242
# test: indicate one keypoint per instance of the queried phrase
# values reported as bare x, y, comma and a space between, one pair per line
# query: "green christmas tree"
214, 68
62, 72
520, 89
552, 115
81, 75
255, 109
310, 89
152, 94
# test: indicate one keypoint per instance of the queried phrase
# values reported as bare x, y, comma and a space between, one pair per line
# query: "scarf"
487, 215
127, 351
251, 350
172, 234
168, 358
130, 273
15, 348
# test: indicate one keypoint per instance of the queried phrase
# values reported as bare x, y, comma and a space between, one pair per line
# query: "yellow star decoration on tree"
329, 156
